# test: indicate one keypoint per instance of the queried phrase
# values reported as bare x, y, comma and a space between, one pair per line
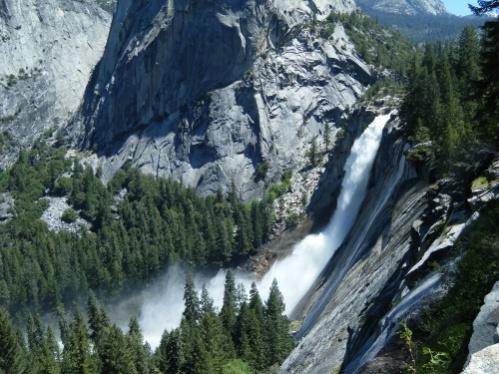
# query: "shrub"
69, 215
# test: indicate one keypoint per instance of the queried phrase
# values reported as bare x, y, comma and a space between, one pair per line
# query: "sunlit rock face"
406, 7
48, 51
206, 91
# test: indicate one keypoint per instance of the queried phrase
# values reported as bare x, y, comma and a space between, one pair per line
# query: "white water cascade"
162, 304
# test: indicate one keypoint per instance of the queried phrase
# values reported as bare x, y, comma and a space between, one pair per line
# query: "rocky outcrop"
486, 324
485, 361
405, 7
385, 270
48, 51
53, 216
363, 266
6, 206
207, 92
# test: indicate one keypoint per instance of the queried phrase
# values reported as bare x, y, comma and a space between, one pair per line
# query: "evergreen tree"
228, 312
213, 335
191, 301
51, 354
489, 84
169, 353
279, 340
194, 358
138, 351
12, 360
255, 329
484, 6
115, 354
76, 356
327, 137
97, 320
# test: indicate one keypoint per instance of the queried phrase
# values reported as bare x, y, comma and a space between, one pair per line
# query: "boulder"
486, 323
485, 361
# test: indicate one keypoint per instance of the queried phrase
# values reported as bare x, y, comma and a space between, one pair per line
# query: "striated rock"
486, 324
49, 49
364, 265
383, 273
205, 92
485, 361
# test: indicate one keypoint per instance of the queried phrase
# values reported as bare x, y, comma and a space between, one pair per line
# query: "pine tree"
228, 312
51, 354
76, 356
212, 335
169, 353
115, 354
279, 341
327, 137
489, 84
136, 346
255, 330
12, 360
191, 301
484, 6
43, 350
97, 320
194, 358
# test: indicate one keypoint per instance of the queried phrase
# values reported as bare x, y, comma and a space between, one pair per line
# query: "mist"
160, 305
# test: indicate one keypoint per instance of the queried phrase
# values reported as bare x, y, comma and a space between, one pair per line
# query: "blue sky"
459, 7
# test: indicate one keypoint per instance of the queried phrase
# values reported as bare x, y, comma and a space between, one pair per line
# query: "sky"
459, 7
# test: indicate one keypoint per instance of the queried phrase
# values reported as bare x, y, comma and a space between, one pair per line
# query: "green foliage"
245, 337
278, 189
313, 154
134, 236
236, 367
69, 215
261, 170
445, 330
425, 28
12, 359
377, 45
446, 106
406, 335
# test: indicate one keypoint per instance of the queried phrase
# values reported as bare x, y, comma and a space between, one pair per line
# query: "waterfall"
162, 305
390, 323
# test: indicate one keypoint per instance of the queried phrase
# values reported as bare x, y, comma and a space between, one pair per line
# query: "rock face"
485, 361
486, 324
6, 206
52, 216
359, 271
383, 272
206, 92
406, 7
49, 48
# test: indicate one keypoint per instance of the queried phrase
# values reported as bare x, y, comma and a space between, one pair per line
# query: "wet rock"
361, 268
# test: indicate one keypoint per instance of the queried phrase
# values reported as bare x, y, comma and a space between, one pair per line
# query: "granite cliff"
214, 93
49, 49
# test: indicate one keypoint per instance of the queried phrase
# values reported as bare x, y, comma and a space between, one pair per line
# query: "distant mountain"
419, 20
405, 7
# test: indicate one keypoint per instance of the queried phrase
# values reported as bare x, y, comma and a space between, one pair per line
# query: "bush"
236, 367
69, 215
